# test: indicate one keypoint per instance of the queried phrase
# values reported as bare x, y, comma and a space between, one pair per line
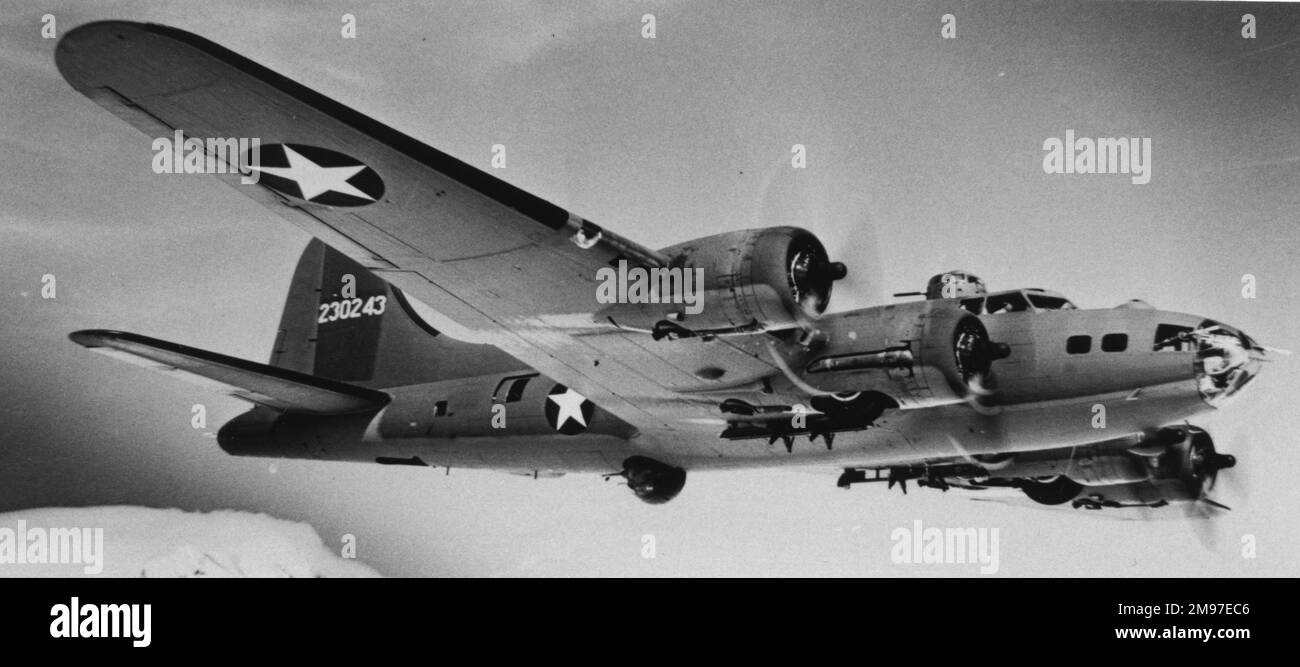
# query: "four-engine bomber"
442, 317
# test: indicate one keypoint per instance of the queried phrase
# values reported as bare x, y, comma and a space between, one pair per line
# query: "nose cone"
1226, 361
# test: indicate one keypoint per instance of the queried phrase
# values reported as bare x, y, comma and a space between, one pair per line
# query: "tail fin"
344, 323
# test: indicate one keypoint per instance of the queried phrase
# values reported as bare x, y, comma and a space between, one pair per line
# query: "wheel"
1053, 491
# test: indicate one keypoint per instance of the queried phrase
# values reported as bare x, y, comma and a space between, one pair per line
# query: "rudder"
344, 323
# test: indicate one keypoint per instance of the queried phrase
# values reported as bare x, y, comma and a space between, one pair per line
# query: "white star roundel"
317, 175
567, 411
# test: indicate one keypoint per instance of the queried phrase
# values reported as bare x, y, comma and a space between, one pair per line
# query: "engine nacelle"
919, 354
1189, 466
736, 282
1176, 465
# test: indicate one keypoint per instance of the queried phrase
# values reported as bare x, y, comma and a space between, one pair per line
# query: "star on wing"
314, 180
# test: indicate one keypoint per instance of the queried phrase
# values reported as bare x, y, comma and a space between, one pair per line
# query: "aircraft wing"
497, 264
265, 385
1017, 499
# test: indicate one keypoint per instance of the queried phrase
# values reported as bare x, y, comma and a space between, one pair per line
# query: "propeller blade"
982, 397
1203, 524
1213, 503
1238, 483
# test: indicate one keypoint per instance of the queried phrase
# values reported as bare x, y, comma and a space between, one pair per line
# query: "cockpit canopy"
1016, 301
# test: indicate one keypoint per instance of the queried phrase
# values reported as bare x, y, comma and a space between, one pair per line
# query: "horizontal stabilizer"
272, 387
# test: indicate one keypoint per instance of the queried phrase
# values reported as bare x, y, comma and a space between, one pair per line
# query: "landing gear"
1054, 491
653, 482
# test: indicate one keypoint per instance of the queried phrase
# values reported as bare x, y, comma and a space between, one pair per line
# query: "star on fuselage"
570, 404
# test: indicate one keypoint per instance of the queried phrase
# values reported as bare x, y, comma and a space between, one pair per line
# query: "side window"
1078, 344
1170, 337
975, 306
1114, 342
440, 409
511, 389
516, 391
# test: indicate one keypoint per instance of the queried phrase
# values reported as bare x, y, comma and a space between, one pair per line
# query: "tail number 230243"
347, 309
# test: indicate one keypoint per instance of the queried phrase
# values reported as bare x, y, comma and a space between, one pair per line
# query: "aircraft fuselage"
1052, 390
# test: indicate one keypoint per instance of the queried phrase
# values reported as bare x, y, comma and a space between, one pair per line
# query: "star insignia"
567, 410
314, 180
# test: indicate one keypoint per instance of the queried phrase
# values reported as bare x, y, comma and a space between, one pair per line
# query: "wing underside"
497, 264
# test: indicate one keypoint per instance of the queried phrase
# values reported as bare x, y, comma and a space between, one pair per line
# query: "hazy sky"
924, 155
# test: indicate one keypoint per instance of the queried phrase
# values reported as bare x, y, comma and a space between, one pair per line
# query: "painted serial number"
347, 309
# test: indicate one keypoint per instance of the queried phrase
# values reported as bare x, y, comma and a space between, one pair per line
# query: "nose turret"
1226, 361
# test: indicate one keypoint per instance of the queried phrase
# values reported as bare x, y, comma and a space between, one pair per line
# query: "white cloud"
148, 542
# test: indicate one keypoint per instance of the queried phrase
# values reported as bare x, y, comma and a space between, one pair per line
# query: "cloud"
148, 542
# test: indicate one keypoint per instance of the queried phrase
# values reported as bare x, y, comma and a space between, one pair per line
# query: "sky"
924, 155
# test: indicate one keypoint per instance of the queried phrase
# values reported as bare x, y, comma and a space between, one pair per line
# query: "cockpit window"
1045, 302
1174, 338
1013, 302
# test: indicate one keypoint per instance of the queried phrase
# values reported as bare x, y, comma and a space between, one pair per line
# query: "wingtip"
80, 44
96, 29
94, 337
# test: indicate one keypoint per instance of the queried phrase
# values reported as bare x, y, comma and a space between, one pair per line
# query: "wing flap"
273, 387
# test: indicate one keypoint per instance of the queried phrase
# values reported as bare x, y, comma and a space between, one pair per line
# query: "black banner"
174, 617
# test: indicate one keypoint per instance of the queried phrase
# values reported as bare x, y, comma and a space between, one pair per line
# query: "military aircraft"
443, 317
